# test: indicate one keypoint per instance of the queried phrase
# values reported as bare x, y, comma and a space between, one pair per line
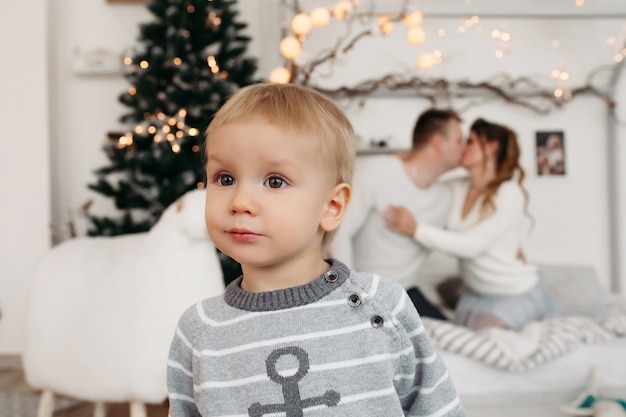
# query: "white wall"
620, 156
24, 160
571, 213
50, 152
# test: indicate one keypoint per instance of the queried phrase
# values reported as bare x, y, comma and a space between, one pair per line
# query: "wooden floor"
12, 380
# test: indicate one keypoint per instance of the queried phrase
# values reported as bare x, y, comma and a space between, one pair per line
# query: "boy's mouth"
242, 235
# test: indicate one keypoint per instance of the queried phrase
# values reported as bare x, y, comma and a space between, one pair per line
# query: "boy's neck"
290, 274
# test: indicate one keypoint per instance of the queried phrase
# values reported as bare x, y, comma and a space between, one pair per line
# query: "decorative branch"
521, 91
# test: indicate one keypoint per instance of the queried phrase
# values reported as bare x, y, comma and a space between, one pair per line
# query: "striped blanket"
534, 345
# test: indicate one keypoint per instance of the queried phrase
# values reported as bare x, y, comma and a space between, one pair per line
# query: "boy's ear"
335, 208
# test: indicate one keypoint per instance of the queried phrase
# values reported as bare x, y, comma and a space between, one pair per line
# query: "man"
363, 242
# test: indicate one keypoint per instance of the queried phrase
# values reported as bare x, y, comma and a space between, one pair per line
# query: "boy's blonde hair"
298, 109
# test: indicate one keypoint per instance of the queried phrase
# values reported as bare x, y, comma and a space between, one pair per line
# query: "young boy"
297, 334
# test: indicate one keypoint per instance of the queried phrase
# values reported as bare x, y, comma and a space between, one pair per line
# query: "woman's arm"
509, 203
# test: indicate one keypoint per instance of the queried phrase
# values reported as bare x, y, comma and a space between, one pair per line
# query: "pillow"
576, 288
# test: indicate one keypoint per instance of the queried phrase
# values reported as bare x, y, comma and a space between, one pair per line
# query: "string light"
125, 141
437, 54
301, 24
426, 61
290, 47
503, 38
341, 9
172, 128
320, 17
385, 25
619, 45
413, 19
280, 75
416, 36
561, 77
212, 63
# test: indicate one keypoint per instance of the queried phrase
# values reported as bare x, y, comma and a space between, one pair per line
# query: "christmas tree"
183, 67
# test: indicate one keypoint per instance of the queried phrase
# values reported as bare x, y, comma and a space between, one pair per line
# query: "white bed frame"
490, 392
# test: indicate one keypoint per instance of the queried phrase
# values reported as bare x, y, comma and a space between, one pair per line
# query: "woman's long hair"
507, 161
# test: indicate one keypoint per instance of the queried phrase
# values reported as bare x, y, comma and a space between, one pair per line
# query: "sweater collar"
301, 295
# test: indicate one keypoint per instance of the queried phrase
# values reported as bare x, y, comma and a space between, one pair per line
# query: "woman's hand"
399, 219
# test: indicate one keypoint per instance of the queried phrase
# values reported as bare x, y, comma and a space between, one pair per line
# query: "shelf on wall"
126, 1
379, 150
506, 10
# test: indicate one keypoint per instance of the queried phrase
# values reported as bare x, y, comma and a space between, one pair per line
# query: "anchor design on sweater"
294, 405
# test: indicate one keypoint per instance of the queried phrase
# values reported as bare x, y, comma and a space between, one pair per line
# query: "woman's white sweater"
487, 247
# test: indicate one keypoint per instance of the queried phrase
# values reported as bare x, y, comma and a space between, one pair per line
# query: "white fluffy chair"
103, 311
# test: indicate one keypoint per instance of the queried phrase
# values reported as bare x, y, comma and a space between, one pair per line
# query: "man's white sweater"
364, 243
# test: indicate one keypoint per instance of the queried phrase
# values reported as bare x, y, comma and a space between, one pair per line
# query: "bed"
549, 363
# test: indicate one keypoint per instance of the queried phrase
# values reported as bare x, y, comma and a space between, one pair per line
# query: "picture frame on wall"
550, 153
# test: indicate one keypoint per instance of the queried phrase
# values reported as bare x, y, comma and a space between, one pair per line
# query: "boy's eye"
225, 180
275, 182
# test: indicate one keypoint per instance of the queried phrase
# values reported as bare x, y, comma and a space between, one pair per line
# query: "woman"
485, 230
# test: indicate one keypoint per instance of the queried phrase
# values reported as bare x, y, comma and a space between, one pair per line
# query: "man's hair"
298, 109
429, 123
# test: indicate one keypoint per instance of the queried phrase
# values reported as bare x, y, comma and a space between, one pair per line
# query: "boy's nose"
243, 201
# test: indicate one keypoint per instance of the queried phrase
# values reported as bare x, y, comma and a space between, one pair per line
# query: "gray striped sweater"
346, 344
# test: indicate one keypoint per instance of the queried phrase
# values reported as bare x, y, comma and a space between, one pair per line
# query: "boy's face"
267, 193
